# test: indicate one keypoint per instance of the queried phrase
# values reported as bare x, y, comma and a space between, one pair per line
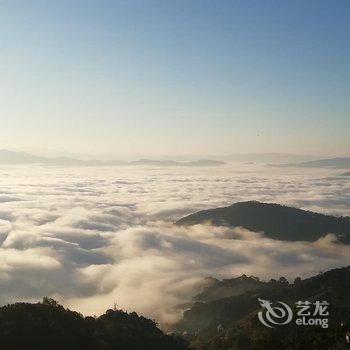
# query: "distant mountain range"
276, 221
21, 158
225, 313
8, 157
200, 162
336, 163
17, 158
268, 157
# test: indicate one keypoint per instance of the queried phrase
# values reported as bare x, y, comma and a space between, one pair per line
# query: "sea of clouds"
98, 237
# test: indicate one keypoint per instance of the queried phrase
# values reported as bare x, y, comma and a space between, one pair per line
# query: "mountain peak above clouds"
276, 221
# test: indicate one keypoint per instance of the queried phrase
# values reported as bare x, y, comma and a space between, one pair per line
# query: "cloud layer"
93, 237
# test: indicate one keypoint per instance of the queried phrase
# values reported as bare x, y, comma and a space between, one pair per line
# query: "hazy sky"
175, 77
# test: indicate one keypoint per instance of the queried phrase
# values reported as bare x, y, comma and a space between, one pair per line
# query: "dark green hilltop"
50, 326
224, 314
222, 317
276, 221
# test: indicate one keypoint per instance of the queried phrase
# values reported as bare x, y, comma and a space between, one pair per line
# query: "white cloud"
95, 236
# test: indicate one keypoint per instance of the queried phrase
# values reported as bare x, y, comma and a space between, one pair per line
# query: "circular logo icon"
274, 314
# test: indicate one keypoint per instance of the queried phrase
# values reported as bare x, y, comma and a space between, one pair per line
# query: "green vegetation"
49, 326
225, 317
276, 221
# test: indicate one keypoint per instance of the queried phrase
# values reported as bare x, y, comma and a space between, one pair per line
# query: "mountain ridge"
48, 325
333, 163
276, 221
22, 158
217, 323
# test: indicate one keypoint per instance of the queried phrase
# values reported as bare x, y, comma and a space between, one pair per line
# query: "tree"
283, 280
50, 302
297, 280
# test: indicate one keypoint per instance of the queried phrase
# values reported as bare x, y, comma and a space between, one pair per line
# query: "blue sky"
175, 77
